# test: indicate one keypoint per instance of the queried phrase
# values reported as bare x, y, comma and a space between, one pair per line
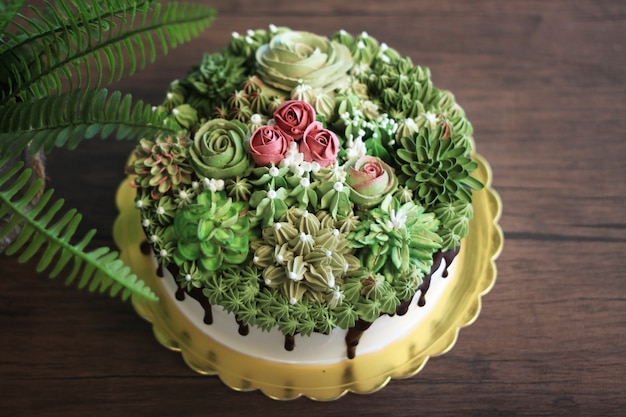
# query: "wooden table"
544, 85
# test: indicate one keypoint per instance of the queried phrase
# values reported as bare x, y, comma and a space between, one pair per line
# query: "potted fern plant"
55, 62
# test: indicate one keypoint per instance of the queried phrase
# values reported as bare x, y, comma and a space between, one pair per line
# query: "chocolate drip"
354, 335
290, 342
244, 329
196, 294
403, 307
180, 294
447, 257
159, 271
145, 248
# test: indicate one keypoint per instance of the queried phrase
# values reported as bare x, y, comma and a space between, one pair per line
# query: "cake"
313, 199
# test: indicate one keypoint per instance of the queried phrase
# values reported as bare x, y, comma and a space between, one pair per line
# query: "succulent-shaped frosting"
302, 257
435, 169
213, 232
212, 82
396, 238
161, 165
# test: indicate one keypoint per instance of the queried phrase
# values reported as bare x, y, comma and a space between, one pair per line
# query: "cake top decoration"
312, 181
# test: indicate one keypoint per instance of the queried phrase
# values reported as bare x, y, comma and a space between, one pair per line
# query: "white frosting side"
316, 348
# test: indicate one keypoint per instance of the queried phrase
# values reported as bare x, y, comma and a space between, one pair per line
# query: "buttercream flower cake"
316, 186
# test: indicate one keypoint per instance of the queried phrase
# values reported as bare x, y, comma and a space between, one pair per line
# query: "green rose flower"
218, 149
293, 58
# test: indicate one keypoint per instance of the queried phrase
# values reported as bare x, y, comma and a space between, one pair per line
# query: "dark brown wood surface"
544, 84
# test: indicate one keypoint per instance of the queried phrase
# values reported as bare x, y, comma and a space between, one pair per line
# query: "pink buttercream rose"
293, 117
268, 145
319, 145
370, 179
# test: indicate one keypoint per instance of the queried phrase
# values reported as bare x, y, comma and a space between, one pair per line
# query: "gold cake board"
459, 305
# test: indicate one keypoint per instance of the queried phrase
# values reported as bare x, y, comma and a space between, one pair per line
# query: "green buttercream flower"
218, 149
239, 188
334, 197
268, 206
396, 238
436, 169
301, 258
213, 232
454, 218
302, 191
190, 276
292, 58
164, 210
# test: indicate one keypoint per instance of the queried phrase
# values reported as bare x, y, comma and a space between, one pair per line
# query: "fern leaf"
71, 117
100, 269
8, 10
69, 41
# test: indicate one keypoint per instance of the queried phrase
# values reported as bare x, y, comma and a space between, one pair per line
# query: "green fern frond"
65, 120
75, 40
45, 228
8, 10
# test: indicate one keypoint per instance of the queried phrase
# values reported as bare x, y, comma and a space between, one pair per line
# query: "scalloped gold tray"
458, 306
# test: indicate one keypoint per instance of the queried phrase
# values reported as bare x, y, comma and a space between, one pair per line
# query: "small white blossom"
396, 220
213, 184
356, 149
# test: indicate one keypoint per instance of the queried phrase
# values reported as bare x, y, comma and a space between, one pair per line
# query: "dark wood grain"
544, 85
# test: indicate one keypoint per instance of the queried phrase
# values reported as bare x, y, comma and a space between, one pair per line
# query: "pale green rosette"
293, 58
218, 149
